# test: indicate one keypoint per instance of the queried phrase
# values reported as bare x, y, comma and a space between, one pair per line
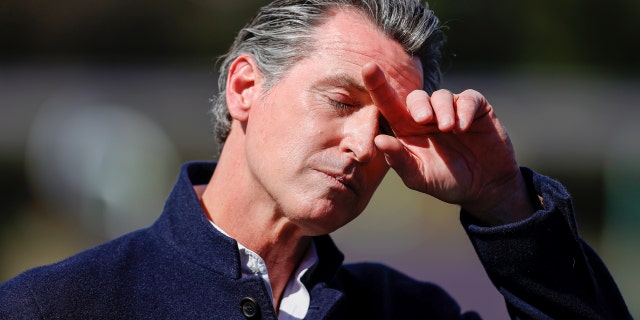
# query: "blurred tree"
490, 34
585, 35
119, 30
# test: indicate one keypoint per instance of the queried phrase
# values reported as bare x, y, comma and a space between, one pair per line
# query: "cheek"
288, 138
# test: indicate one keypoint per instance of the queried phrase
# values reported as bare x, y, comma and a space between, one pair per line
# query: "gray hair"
281, 34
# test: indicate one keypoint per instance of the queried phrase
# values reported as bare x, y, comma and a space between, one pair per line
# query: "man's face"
310, 138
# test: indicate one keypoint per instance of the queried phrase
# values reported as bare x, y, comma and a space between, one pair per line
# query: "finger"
396, 156
419, 107
385, 97
443, 107
468, 103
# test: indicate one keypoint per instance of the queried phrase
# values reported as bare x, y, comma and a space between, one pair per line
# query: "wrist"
510, 203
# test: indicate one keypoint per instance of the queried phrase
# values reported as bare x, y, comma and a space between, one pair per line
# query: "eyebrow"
344, 80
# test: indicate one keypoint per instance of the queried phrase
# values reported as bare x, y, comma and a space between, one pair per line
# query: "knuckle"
442, 94
470, 97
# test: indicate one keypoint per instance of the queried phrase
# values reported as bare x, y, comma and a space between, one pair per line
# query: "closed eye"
340, 105
344, 108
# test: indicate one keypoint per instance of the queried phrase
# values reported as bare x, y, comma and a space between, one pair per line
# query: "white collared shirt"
295, 298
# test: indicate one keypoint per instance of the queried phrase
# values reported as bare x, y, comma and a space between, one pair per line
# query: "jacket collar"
184, 226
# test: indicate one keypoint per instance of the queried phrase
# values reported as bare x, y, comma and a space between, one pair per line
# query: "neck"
230, 200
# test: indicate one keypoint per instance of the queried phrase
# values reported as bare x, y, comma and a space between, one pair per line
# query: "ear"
243, 86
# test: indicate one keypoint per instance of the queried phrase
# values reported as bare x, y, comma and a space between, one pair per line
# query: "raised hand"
451, 146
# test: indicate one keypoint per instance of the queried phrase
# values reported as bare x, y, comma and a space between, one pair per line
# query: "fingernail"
387, 159
463, 124
446, 122
421, 116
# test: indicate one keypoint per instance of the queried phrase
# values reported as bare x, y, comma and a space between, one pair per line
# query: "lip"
346, 181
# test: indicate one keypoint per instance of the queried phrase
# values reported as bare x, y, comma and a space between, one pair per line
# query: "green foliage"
491, 34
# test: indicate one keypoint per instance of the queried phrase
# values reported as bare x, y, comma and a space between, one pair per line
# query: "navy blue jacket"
182, 268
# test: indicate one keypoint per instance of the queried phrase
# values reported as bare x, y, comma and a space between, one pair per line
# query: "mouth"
342, 181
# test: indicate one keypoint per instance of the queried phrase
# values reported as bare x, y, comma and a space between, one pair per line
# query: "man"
317, 100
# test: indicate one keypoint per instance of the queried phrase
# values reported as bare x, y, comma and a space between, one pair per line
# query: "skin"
305, 157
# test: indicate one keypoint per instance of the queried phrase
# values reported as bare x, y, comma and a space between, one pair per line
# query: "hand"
453, 147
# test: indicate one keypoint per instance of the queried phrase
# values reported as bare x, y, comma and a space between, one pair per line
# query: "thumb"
399, 158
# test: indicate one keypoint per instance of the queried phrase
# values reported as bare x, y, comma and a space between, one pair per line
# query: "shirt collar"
295, 298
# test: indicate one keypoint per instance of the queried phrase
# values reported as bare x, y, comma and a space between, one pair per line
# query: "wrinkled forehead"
350, 38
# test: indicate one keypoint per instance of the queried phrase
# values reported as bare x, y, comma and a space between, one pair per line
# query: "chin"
313, 230
325, 222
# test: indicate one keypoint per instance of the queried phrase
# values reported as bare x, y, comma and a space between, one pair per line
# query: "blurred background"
101, 101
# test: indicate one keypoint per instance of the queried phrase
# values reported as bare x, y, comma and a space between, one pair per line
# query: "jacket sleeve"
16, 301
541, 266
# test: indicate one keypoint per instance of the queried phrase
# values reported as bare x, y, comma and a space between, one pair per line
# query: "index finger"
386, 99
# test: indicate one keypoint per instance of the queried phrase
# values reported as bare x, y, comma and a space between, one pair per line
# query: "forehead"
348, 40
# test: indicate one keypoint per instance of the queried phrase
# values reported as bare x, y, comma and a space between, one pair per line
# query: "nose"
359, 130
